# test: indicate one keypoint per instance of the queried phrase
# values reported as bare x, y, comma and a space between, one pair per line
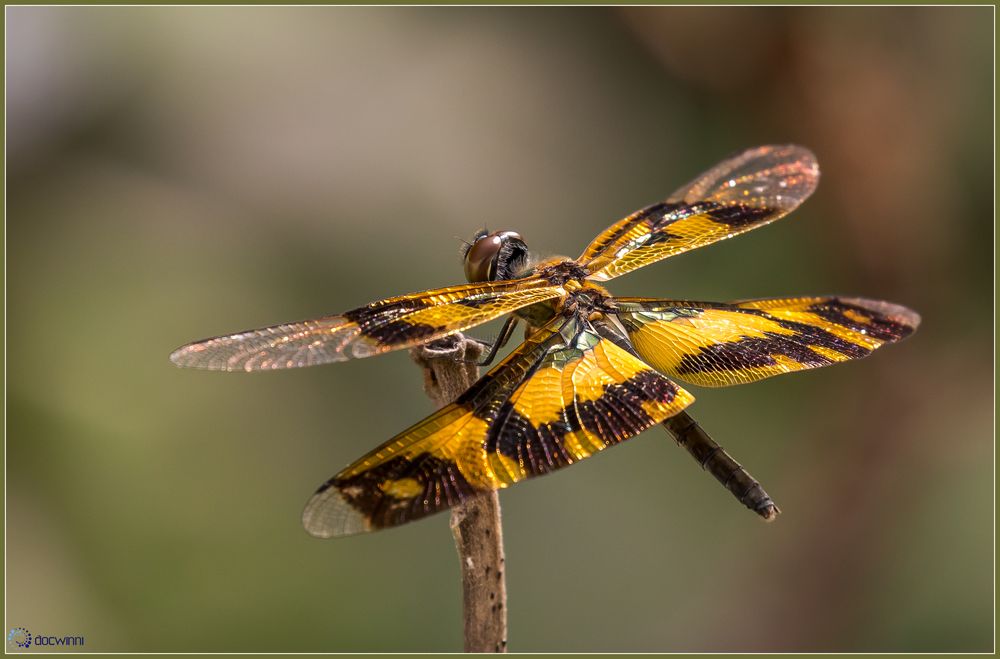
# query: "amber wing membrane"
742, 193
717, 345
389, 324
562, 396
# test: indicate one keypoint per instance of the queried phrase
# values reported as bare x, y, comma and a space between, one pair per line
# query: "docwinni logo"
21, 638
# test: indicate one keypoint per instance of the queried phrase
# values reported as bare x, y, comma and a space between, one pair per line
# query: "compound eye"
498, 255
480, 260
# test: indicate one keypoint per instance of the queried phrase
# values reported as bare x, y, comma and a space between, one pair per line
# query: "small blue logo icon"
19, 637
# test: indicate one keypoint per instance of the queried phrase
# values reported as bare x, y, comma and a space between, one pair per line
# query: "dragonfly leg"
505, 333
714, 459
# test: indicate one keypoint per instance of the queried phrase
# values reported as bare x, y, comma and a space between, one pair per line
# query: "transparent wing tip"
196, 355
795, 170
217, 355
292, 345
790, 153
803, 158
329, 515
897, 313
776, 176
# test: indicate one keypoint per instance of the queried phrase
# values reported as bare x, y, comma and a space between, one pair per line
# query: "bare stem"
450, 367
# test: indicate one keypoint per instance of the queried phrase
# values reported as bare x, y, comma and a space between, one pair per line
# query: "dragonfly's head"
495, 256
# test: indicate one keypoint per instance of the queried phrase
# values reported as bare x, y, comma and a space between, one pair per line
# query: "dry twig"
450, 367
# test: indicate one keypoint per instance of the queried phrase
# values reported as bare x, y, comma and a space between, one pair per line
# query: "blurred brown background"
176, 173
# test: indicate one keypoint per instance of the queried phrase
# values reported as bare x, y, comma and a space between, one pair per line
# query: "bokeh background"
176, 173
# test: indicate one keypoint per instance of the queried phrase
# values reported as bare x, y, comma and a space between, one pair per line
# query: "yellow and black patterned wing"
563, 395
390, 324
747, 191
717, 345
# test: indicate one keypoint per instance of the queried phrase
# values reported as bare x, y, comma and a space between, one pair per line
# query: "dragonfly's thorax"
563, 272
583, 299
587, 299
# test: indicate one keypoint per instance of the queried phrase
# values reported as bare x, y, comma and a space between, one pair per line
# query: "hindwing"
716, 345
563, 395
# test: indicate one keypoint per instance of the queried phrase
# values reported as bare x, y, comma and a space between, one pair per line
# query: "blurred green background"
176, 173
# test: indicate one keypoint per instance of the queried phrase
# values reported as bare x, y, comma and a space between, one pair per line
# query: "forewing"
717, 345
560, 397
390, 324
742, 193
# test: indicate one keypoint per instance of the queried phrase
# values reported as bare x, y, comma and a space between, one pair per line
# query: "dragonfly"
593, 370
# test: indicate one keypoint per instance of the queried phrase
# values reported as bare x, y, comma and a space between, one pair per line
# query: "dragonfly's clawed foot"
454, 347
462, 354
448, 364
